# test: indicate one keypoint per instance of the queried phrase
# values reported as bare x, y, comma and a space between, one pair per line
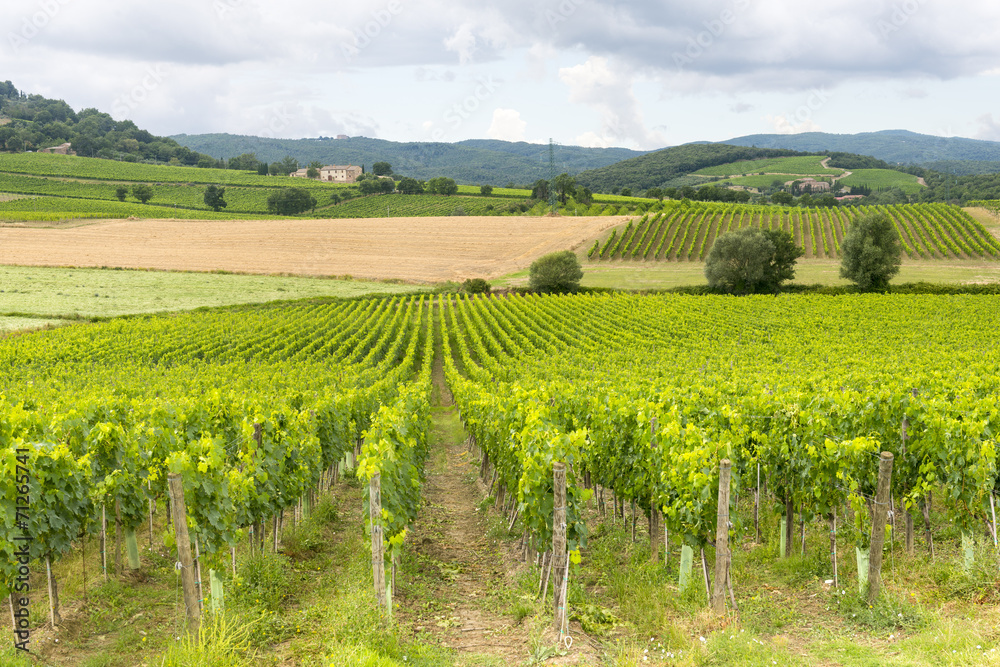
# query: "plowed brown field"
412, 249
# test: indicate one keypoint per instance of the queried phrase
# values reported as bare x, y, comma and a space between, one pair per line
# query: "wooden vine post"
789, 526
878, 525
175, 488
722, 539
560, 561
655, 520
378, 560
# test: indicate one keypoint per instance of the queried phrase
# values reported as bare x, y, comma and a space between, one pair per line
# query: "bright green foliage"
647, 395
250, 406
555, 272
927, 231
871, 252
395, 448
121, 192
46, 496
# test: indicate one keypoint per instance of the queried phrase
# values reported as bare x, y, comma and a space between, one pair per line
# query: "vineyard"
262, 410
397, 205
682, 232
57, 187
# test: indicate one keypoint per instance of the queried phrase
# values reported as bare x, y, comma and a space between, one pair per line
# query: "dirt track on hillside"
412, 249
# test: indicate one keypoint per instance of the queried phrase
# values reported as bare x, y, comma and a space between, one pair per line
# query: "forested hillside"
659, 168
32, 122
956, 155
471, 162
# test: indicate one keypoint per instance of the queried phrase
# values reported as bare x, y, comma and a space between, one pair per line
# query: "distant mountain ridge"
947, 154
474, 161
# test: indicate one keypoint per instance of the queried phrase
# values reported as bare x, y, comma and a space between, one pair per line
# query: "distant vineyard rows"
686, 233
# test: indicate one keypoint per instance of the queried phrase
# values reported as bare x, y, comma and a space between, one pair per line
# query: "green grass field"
18, 323
882, 179
764, 181
37, 292
802, 166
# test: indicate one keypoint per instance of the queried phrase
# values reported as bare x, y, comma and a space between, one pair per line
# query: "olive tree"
871, 252
751, 260
555, 272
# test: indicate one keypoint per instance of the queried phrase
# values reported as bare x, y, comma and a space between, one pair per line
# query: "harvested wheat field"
411, 249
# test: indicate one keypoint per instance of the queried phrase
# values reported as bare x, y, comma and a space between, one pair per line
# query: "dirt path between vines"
457, 587
450, 598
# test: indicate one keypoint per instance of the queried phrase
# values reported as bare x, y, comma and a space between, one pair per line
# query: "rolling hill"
470, 162
661, 167
956, 155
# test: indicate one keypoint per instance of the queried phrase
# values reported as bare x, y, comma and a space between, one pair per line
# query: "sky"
641, 75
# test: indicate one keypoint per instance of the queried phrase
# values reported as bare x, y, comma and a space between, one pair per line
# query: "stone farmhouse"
333, 173
813, 185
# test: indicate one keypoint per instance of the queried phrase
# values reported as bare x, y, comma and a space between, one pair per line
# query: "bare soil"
410, 249
458, 593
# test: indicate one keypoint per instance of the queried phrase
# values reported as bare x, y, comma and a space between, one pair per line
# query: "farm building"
812, 185
333, 173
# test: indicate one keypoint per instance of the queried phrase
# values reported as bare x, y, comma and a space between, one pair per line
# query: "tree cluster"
290, 201
442, 185
564, 187
140, 191
37, 122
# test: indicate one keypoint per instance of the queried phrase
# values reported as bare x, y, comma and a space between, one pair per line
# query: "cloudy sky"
644, 74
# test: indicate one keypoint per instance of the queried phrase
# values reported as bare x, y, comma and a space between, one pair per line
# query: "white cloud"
597, 84
592, 140
352, 63
507, 125
783, 125
989, 128
462, 42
